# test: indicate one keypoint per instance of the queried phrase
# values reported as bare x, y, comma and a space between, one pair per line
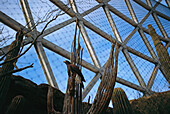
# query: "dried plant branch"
18, 70
73, 100
33, 42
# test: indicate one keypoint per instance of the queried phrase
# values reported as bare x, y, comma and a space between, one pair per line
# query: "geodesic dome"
101, 23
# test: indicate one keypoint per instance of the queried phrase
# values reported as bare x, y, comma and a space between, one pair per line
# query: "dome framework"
95, 65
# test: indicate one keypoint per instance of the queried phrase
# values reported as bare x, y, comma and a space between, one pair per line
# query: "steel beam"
137, 27
147, 44
89, 45
131, 85
112, 40
125, 52
130, 35
157, 20
58, 26
149, 8
15, 27
53, 47
115, 11
90, 85
45, 65
65, 23
133, 15
119, 80
112, 23
92, 9
5, 19
146, 16
131, 11
38, 45
160, 37
161, 28
141, 55
152, 77
64, 7
66, 54
99, 31
168, 3
10, 22
86, 41
85, 37
93, 28
134, 68
133, 23
122, 16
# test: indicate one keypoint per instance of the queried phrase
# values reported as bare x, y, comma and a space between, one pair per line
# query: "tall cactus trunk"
120, 102
161, 52
4, 85
16, 105
13, 51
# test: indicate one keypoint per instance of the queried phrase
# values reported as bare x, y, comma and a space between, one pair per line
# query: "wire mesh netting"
43, 11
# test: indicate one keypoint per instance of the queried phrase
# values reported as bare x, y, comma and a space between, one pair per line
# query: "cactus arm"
120, 102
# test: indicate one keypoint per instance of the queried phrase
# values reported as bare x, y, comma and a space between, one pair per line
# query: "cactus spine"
16, 105
120, 102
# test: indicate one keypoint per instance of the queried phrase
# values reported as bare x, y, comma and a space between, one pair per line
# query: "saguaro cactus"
161, 51
16, 105
120, 102
13, 51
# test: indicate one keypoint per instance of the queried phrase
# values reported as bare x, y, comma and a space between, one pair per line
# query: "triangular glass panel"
137, 43
151, 43
86, 55
60, 19
144, 67
163, 9
101, 46
43, 11
140, 12
163, 2
151, 21
98, 19
12, 9
7, 35
84, 5
88, 76
153, 2
131, 93
123, 27
64, 1
160, 84
166, 24
63, 37
34, 74
59, 69
92, 92
120, 6
144, 1
163, 43
124, 70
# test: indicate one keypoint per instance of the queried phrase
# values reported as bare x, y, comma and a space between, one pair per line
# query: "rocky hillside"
35, 99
